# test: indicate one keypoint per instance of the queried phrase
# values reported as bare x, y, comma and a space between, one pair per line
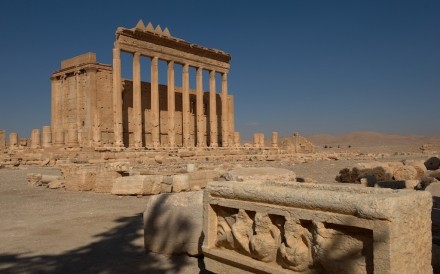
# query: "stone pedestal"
13, 139
47, 136
59, 137
35, 138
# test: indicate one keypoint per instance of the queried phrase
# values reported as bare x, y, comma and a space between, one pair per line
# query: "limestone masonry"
91, 100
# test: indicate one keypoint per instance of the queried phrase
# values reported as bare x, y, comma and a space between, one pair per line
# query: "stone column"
96, 129
155, 131
231, 117
117, 98
256, 140
171, 105
2, 139
261, 139
275, 139
185, 106
47, 136
78, 91
137, 108
54, 101
13, 140
35, 138
72, 136
59, 130
212, 110
92, 121
201, 132
225, 113
237, 139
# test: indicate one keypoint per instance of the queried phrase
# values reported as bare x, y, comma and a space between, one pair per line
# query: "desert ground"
56, 231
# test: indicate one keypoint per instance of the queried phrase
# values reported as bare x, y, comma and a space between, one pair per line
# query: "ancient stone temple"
93, 106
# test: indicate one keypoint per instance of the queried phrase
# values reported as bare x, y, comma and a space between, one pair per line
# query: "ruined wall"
105, 106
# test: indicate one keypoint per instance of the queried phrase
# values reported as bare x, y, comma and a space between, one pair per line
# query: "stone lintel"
174, 43
151, 49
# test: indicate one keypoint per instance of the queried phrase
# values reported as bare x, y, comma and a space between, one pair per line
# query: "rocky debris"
432, 163
59, 183
173, 223
34, 179
406, 174
38, 179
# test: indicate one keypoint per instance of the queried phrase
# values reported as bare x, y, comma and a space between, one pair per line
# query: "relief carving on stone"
294, 244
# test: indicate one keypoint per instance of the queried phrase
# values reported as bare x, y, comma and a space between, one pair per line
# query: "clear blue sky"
307, 66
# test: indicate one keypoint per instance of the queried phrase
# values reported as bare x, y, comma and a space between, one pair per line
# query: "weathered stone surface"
137, 185
267, 227
404, 173
173, 223
199, 179
105, 180
59, 183
261, 174
178, 182
34, 179
81, 180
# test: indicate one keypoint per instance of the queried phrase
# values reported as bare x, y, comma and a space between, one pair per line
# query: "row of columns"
155, 117
259, 140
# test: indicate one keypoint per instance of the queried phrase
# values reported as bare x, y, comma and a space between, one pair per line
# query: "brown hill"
369, 138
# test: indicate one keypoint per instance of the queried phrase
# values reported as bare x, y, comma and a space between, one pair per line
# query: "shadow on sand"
112, 252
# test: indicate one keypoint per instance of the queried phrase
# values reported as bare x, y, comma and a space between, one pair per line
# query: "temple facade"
93, 106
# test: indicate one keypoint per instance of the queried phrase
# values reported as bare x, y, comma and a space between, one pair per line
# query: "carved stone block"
265, 227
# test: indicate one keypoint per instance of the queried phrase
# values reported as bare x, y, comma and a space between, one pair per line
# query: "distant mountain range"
369, 138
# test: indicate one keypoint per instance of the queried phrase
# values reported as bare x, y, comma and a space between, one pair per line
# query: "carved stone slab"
261, 227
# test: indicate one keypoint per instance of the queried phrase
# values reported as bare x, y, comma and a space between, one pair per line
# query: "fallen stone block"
173, 223
59, 183
261, 174
137, 185
34, 179
105, 180
81, 180
178, 183
199, 179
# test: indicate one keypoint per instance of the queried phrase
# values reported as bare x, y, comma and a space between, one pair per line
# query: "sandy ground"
56, 231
